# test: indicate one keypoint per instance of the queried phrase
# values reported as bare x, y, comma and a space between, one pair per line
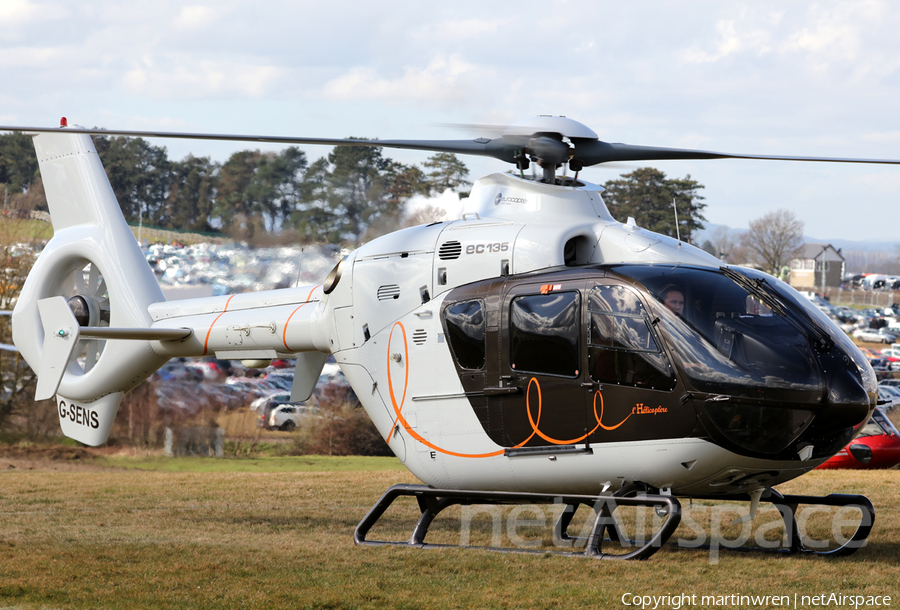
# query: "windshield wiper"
764, 291
757, 287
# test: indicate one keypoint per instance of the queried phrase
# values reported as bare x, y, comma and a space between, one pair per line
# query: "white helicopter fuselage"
381, 318
392, 289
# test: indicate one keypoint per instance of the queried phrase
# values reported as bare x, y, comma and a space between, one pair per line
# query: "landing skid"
787, 506
432, 502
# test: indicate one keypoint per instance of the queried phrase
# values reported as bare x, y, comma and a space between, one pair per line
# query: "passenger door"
632, 381
539, 396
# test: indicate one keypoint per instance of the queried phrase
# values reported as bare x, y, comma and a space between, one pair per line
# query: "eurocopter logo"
508, 200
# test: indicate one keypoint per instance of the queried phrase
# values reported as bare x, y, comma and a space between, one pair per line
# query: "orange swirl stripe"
535, 424
398, 410
288, 321
206, 342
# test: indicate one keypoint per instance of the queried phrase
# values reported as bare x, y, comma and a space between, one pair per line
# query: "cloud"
440, 80
456, 30
194, 17
734, 36
16, 12
184, 78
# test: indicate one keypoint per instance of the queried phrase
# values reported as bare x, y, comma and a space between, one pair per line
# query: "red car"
877, 446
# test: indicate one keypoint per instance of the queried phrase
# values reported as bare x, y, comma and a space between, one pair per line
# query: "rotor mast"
547, 140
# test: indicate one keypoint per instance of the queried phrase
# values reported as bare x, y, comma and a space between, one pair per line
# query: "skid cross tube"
432, 501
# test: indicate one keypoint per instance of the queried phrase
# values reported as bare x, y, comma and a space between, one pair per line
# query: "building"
816, 267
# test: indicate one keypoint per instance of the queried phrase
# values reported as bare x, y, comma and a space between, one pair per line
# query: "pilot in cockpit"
673, 298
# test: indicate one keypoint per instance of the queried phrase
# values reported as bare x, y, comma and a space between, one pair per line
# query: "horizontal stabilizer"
137, 334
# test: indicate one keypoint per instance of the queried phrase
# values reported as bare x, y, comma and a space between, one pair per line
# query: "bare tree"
721, 243
773, 239
17, 380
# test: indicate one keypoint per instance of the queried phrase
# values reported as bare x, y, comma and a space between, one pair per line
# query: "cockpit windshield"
730, 339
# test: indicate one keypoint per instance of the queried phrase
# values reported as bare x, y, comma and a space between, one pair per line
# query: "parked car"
878, 360
893, 350
265, 405
891, 362
257, 386
283, 382
890, 395
270, 399
890, 336
291, 416
877, 446
871, 335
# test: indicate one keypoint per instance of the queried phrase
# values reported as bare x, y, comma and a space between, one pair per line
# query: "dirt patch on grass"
54, 457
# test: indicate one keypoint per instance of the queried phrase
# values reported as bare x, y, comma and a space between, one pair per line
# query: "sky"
760, 77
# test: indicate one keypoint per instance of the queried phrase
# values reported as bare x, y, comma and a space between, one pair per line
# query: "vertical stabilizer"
95, 263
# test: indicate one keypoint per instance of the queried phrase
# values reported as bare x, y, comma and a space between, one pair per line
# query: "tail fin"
95, 263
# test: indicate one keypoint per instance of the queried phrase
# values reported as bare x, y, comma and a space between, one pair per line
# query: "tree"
447, 172
140, 175
259, 191
405, 181
235, 206
313, 219
358, 188
189, 204
773, 239
18, 163
17, 380
647, 195
347, 193
722, 244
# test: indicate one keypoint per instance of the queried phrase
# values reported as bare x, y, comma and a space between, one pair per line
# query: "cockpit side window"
621, 345
544, 333
729, 340
465, 332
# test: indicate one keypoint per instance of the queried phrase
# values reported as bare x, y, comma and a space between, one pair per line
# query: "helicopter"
534, 350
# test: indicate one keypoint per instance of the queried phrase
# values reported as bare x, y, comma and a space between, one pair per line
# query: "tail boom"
259, 325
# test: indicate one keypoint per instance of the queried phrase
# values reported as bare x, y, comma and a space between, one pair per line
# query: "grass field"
277, 532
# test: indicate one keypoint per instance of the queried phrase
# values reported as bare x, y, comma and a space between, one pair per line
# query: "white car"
893, 350
288, 417
871, 335
890, 394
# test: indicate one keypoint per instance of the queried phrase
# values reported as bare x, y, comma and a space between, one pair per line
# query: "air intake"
388, 291
419, 336
450, 251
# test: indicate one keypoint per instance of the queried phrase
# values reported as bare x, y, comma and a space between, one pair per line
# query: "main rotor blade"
595, 151
467, 147
506, 148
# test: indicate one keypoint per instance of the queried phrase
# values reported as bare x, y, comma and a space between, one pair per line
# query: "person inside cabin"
673, 298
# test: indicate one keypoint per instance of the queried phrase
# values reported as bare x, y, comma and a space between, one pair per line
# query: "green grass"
309, 463
269, 538
18, 229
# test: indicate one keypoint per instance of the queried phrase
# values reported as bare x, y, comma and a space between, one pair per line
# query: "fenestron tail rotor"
90, 304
